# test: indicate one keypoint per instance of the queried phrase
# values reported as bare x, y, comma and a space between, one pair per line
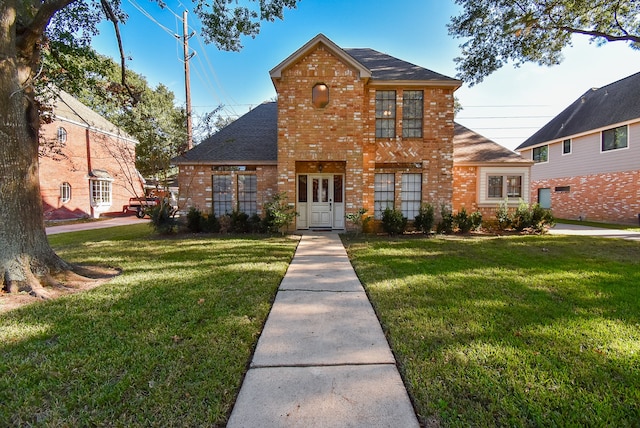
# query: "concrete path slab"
342, 396
322, 359
321, 328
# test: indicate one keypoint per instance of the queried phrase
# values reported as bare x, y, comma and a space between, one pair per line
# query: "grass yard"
166, 343
510, 331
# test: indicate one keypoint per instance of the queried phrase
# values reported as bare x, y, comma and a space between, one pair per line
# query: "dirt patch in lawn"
84, 278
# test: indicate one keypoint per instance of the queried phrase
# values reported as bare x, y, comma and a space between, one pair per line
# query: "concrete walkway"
322, 359
576, 229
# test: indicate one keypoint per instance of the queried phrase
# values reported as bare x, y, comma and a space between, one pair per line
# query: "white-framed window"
412, 112
501, 186
62, 135
384, 193
65, 192
566, 146
222, 194
100, 192
385, 114
247, 194
411, 194
541, 154
615, 138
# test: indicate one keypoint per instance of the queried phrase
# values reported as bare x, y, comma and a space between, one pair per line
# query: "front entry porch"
320, 200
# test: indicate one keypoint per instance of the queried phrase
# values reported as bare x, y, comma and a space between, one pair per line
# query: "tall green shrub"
425, 218
163, 218
279, 214
445, 225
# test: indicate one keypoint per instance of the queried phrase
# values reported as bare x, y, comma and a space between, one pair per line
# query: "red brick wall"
345, 131
610, 197
196, 185
465, 185
73, 165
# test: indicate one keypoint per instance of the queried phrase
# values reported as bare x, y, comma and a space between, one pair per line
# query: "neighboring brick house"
587, 159
352, 128
87, 164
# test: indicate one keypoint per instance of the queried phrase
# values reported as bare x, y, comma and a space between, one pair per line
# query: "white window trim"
539, 147
101, 204
562, 147
619, 149
483, 185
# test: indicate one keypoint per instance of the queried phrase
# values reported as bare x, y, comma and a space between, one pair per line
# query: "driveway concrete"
322, 359
100, 224
575, 229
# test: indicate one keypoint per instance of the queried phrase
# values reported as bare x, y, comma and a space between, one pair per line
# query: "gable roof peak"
311, 45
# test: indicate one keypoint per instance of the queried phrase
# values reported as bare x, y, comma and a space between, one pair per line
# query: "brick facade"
609, 197
85, 150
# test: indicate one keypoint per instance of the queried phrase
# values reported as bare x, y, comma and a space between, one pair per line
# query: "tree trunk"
26, 258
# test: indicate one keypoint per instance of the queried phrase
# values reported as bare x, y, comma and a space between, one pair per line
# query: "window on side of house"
65, 192
616, 138
385, 114
222, 195
412, 112
500, 186
541, 154
411, 194
62, 135
302, 188
247, 194
100, 192
566, 147
384, 193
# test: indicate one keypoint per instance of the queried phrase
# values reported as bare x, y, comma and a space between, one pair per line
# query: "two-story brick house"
86, 163
352, 128
587, 158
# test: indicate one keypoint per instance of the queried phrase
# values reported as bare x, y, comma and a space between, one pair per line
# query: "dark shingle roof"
597, 108
386, 67
472, 148
251, 138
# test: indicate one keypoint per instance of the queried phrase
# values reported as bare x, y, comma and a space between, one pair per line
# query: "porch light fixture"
320, 166
320, 95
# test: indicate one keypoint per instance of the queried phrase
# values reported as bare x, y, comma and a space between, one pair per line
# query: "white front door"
321, 187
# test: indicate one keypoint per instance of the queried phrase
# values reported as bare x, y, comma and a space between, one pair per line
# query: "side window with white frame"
62, 135
541, 154
616, 138
100, 192
500, 186
65, 192
566, 146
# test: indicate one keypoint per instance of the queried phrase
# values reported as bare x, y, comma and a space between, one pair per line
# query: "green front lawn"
511, 331
164, 344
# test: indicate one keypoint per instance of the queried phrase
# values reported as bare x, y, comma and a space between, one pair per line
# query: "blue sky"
507, 107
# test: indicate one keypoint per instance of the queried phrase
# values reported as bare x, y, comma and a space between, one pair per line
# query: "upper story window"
412, 112
616, 138
320, 95
62, 135
541, 154
566, 147
385, 114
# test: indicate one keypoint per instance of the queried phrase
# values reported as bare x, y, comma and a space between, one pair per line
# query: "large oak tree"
27, 262
519, 31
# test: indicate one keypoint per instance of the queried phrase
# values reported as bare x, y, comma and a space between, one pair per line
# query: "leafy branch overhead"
497, 32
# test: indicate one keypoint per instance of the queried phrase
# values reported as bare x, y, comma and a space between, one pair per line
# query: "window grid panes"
541, 154
514, 186
384, 193
101, 192
495, 186
65, 192
412, 111
411, 195
615, 138
247, 194
62, 135
221, 195
385, 114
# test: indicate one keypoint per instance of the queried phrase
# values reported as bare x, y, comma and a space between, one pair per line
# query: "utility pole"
187, 78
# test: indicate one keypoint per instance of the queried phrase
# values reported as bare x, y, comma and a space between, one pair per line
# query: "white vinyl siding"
587, 158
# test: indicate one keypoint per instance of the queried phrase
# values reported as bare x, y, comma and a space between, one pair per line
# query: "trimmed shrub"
445, 225
476, 220
255, 224
279, 214
503, 217
462, 220
425, 219
239, 222
194, 220
393, 222
163, 218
